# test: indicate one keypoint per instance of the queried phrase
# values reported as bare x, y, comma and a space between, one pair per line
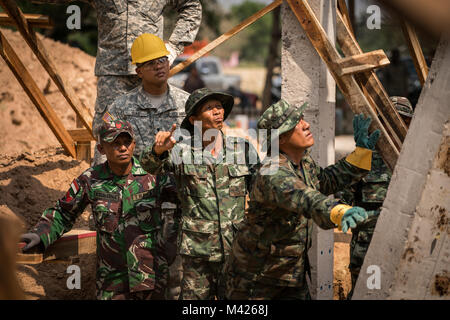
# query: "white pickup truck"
210, 70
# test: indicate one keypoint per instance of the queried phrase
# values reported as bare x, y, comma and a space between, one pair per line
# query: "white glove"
172, 53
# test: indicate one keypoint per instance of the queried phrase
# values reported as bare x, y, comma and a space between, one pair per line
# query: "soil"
35, 172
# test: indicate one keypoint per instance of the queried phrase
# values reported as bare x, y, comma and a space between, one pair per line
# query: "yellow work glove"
346, 217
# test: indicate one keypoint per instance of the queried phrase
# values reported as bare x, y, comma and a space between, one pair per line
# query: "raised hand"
164, 140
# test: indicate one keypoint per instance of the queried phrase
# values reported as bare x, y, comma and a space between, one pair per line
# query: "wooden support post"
83, 146
227, 35
362, 62
33, 20
416, 51
347, 84
36, 96
39, 50
372, 85
342, 6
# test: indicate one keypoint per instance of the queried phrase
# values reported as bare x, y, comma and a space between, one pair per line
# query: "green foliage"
255, 39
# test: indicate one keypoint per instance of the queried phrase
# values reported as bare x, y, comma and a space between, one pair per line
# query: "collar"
136, 170
145, 103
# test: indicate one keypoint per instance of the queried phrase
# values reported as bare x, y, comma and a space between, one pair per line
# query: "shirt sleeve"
59, 219
338, 176
290, 193
187, 25
155, 164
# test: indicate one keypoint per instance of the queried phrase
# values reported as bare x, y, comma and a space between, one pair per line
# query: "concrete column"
410, 249
305, 79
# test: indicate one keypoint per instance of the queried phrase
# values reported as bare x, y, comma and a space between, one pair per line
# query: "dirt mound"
30, 183
22, 127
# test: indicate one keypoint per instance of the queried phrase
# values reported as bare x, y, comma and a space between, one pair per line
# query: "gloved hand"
361, 132
346, 217
31, 239
172, 52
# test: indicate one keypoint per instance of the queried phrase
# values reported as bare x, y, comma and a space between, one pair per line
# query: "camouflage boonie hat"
402, 105
110, 130
282, 116
199, 96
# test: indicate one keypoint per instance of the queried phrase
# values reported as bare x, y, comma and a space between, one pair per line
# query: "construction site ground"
34, 171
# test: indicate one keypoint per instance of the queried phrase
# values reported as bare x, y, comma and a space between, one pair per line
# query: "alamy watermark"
74, 280
74, 20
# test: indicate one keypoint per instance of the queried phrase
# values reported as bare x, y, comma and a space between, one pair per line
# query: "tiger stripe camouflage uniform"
136, 108
212, 193
127, 223
369, 193
120, 22
269, 254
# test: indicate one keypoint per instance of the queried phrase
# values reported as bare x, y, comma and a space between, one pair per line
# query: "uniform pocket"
105, 220
197, 237
195, 177
375, 188
238, 174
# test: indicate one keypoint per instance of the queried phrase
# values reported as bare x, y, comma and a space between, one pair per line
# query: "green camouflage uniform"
127, 222
212, 193
269, 254
146, 120
369, 193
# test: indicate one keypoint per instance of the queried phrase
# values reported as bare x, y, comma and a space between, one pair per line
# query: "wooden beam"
362, 62
35, 95
227, 35
416, 51
347, 84
83, 147
39, 50
34, 20
372, 85
74, 243
342, 7
80, 135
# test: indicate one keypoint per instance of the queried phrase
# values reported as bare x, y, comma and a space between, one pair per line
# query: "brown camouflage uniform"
269, 254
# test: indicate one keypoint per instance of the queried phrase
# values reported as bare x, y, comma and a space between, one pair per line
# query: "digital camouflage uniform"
269, 254
146, 120
120, 22
369, 193
212, 193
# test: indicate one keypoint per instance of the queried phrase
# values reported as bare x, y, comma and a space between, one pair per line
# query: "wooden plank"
227, 35
39, 50
80, 135
83, 148
35, 95
347, 84
34, 20
362, 62
342, 7
74, 243
416, 51
372, 85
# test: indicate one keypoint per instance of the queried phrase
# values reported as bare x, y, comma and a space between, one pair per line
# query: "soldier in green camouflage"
269, 253
213, 175
124, 203
369, 193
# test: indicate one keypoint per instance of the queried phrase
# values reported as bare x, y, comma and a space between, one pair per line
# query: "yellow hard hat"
147, 47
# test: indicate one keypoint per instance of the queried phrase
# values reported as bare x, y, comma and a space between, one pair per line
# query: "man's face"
211, 114
299, 137
120, 151
155, 71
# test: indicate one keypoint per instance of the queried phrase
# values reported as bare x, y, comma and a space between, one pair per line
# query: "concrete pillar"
411, 245
305, 79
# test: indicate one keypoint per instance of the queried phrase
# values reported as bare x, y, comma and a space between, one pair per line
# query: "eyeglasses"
152, 64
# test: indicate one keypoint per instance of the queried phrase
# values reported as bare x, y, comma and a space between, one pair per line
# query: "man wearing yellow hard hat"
151, 107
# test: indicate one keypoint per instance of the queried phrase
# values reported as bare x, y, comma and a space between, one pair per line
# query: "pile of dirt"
22, 127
